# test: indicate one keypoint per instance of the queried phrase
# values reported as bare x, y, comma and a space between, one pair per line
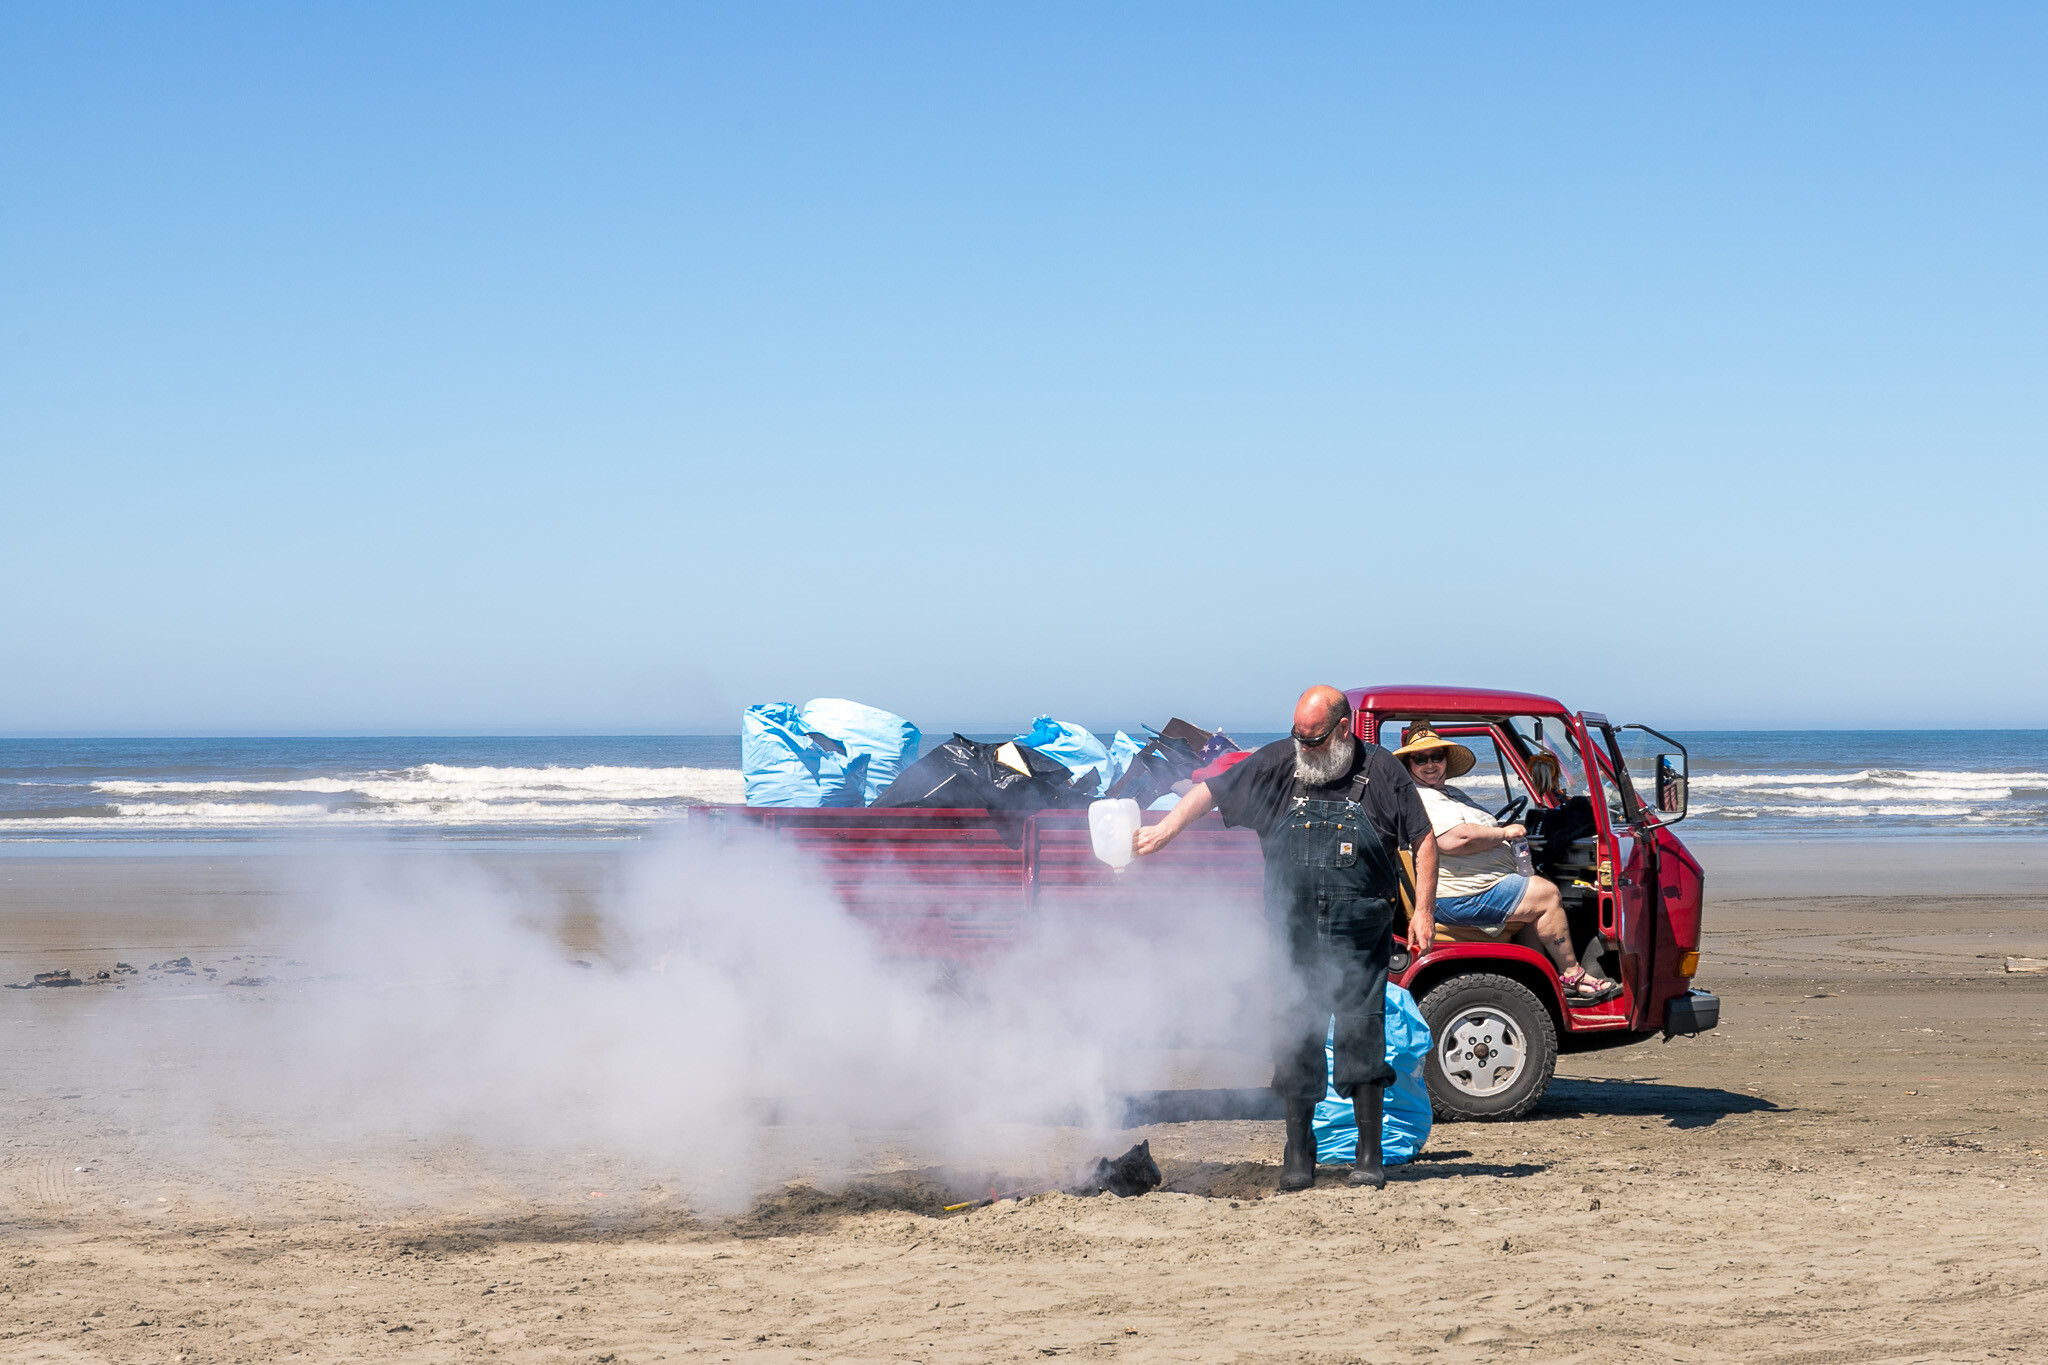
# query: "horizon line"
53, 735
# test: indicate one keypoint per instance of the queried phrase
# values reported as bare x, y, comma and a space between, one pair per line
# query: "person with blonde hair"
1477, 883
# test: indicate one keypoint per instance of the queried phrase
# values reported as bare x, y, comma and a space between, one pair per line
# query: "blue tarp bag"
829, 753
887, 741
783, 765
1072, 746
1122, 750
1405, 1126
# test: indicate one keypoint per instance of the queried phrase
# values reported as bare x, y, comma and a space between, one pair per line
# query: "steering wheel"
1512, 811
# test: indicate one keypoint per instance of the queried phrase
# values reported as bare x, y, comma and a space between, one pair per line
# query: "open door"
1658, 773
1628, 866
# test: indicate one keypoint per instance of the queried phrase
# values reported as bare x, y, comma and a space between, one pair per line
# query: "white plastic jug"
1110, 827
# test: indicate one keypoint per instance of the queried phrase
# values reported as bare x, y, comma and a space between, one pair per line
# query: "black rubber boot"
1368, 1105
1298, 1165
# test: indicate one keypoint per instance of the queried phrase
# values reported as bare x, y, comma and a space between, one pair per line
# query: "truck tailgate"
955, 884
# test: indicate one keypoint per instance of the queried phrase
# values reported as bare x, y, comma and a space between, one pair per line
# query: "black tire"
1491, 1012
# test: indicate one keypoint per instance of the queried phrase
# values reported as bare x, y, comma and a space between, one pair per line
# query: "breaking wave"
1876, 781
429, 794
431, 782
1868, 797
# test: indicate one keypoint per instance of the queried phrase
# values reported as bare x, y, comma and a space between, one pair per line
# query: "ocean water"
1869, 782
175, 789
1744, 783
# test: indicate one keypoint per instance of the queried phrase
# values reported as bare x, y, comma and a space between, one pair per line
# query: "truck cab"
1632, 893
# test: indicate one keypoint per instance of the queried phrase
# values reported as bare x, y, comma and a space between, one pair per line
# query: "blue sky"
516, 368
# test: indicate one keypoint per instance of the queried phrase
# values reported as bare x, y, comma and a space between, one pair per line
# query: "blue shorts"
1488, 909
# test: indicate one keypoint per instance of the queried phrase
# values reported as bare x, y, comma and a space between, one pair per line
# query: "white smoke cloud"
734, 1028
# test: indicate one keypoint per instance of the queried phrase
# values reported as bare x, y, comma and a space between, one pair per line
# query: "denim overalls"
1330, 891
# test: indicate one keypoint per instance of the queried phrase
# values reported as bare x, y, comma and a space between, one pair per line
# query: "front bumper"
1694, 1012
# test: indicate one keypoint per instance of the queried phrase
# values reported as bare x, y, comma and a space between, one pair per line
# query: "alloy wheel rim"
1482, 1052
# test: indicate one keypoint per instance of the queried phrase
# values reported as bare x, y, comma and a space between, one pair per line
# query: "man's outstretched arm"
1196, 804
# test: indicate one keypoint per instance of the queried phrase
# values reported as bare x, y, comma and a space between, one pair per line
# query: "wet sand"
1850, 1168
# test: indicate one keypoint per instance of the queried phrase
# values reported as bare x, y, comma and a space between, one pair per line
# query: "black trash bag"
965, 773
1153, 772
1168, 762
1170, 756
1134, 1173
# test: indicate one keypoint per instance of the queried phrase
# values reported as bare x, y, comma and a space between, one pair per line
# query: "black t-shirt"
1254, 794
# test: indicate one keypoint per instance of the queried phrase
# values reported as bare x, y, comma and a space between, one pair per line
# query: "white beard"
1321, 766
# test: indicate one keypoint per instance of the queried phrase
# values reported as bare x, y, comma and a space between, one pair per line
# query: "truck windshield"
1552, 735
1617, 810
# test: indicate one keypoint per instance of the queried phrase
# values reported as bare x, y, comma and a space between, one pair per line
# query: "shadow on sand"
1684, 1106
1430, 1165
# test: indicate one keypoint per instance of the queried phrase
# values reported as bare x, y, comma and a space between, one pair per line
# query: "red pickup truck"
959, 884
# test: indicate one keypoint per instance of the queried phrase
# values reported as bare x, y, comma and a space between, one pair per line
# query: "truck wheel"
1494, 1048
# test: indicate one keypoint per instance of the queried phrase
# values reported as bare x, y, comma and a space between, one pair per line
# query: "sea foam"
426, 794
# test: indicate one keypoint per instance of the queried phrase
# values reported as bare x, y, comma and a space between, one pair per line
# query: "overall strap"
1358, 785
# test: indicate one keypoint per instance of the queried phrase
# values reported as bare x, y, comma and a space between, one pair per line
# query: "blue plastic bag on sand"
1073, 746
1405, 1126
829, 753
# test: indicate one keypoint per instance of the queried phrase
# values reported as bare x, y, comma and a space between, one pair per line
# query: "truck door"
1655, 766
1628, 865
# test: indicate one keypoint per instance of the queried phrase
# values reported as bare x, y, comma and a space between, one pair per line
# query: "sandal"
1581, 988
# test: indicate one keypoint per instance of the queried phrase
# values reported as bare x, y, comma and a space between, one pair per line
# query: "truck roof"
1430, 697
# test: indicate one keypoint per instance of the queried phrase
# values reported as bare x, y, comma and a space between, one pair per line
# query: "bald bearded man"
1331, 811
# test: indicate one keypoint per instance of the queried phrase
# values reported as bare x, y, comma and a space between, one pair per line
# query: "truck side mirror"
1670, 785
1657, 768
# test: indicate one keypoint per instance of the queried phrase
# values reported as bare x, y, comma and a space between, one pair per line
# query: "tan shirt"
1463, 874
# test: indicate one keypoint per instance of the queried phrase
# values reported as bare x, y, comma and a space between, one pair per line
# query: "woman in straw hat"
1477, 884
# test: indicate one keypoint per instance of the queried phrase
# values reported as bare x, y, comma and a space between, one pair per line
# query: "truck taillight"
1688, 964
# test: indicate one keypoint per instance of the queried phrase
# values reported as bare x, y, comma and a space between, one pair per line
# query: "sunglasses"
1432, 756
1318, 741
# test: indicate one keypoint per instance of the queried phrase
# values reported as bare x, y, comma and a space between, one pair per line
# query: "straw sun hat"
1422, 735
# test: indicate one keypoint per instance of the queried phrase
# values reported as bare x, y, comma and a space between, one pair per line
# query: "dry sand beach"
1851, 1169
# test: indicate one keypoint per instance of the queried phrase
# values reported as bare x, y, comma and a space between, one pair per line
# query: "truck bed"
957, 884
